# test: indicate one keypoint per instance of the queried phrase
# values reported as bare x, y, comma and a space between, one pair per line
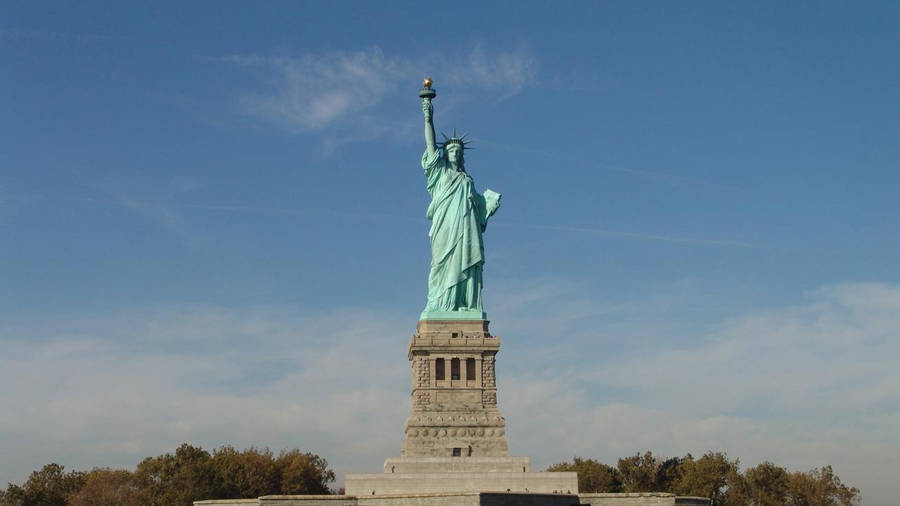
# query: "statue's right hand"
427, 109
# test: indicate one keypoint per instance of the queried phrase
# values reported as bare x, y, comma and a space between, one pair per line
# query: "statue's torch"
426, 91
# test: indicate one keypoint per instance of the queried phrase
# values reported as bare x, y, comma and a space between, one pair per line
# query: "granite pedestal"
455, 435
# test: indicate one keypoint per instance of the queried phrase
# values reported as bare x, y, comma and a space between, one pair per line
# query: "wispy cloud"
508, 72
315, 91
338, 90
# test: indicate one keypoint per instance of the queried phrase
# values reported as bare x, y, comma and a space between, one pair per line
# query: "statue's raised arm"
428, 110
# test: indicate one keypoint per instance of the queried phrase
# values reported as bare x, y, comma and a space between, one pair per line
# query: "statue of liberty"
459, 216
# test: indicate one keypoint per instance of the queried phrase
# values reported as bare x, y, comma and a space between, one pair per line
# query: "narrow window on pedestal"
457, 452
470, 369
439, 369
454, 369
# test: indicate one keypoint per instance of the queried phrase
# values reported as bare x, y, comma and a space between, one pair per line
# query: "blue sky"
212, 226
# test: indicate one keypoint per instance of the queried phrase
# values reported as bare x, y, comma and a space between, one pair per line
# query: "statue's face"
455, 154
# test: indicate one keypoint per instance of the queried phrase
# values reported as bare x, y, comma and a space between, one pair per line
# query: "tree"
14, 496
763, 485
247, 474
668, 474
191, 474
176, 480
737, 492
820, 487
303, 473
639, 473
50, 486
705, 477
592, 475
107, 487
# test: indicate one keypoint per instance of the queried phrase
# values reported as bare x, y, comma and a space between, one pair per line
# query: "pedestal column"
455, 418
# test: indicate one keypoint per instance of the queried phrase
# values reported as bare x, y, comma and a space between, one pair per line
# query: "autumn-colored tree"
193, 474
176, 480
592, 475
820, 487
639, 473
245, 474
13, 496
668, 473
716, 477
107, 487
705, 477
737, 492
303, 473
763, 485
50, 486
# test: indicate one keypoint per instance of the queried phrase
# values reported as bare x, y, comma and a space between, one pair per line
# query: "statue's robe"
459, 216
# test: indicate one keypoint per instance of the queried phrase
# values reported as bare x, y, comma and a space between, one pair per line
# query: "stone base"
457, 465
466, 499
451, 499
430, 483
640, 499
476, 433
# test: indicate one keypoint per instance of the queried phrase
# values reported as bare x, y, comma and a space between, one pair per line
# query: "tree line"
190, 474
716, 477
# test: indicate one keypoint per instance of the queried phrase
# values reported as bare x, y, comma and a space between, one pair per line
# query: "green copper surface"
459, 216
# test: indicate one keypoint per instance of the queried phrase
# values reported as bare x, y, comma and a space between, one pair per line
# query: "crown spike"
458, 140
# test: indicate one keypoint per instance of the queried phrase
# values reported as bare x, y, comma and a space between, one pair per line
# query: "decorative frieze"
432, 418
455, 432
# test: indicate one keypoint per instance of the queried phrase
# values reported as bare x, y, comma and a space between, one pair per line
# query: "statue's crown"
460, 141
